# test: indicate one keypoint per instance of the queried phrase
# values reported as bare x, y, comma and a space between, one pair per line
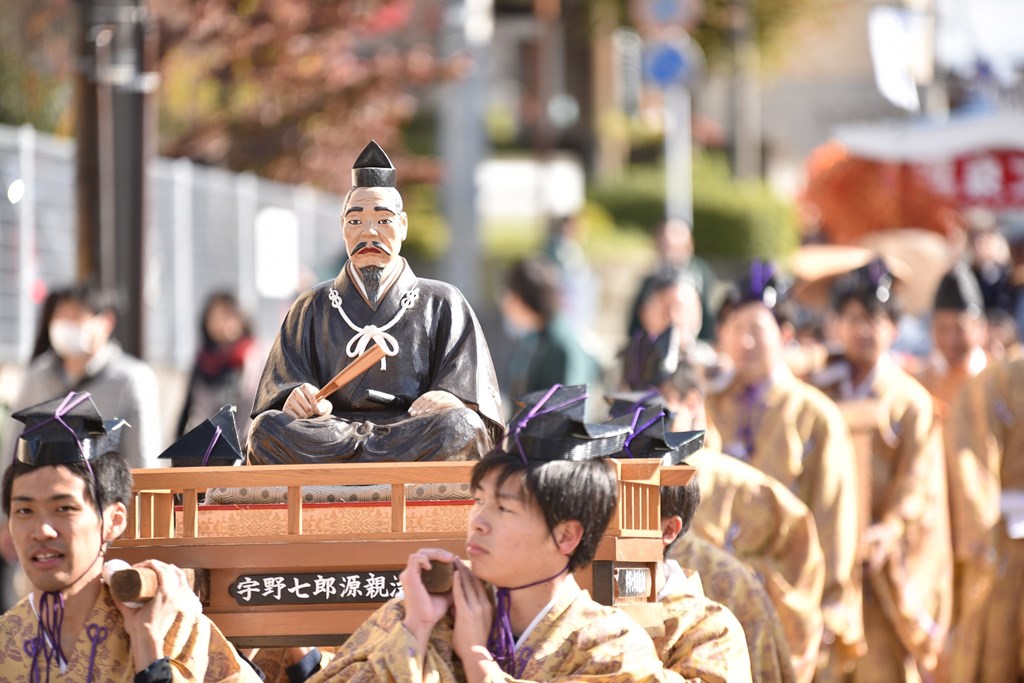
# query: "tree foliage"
292, 89
770, 21
289, 89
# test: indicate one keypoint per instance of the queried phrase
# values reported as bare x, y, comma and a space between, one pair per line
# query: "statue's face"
374, 226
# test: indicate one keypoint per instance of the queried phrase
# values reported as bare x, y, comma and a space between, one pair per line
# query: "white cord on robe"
371, 333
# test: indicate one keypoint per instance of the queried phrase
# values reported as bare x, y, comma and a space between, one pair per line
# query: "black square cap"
66, 430
211, 442
373, 168
626, 402
762, 283
959, 291
649, 437
550, 425
872, 281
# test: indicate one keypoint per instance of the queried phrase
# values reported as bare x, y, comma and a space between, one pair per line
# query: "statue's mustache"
378, 245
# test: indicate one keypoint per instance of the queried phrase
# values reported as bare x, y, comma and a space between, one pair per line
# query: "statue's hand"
302, 403
433, 402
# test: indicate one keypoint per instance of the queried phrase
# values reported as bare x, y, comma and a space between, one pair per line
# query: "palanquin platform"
309, 573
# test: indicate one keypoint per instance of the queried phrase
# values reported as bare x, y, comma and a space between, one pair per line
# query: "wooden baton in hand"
140, 584
361, 364
438, 579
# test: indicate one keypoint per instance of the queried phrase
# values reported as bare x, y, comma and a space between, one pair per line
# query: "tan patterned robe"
769, 529
797, 436
908, 604
728, 581
703, 641
577, 640
988, 644
197, 649
959, 395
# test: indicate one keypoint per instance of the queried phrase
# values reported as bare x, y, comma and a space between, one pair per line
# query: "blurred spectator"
83, 357
546, 351
578, 285
227, 368
670, 316
42, 342
990, 260
674, 244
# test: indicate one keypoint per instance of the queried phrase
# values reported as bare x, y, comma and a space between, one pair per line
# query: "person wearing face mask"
84, 357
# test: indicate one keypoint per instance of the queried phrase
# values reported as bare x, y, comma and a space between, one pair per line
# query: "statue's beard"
371, 281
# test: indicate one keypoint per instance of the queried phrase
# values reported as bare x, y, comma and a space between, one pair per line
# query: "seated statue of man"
434, 395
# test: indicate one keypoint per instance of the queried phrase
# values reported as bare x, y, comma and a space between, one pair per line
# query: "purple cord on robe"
501, 643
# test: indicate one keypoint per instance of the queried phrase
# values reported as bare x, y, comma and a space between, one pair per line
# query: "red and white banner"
993, 178
973, 160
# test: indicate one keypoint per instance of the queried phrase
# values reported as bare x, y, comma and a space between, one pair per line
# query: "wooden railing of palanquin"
622, 573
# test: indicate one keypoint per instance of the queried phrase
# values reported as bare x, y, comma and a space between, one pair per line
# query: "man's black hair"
585, 491
733, 301
113, 480
682, 502
97, 299
892, 308
229, 301
535, 282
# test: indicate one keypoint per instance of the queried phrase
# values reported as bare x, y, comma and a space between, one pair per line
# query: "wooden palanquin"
247, 541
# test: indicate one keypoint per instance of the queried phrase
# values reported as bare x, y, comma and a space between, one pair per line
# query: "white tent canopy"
924, 141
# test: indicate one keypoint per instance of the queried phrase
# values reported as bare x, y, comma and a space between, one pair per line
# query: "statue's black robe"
441, 347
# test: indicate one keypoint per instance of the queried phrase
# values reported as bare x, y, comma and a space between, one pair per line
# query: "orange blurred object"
854, 197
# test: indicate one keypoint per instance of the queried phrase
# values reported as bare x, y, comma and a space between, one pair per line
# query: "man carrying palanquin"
433, 396
541, 507
906, 547
703, 641
792, 432
66, 495
758, 520
733, 584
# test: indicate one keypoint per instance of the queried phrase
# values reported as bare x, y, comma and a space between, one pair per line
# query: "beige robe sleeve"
908, 489
829, 487
769, 529
728, 581
703, 641
575, 648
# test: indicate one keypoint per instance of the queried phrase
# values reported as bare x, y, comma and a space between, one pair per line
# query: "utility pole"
116, 137
745, 95
469, 25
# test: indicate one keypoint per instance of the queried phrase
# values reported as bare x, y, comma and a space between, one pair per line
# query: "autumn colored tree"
293, 88
289, 89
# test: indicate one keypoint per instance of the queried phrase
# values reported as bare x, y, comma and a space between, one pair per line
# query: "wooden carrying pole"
140, 584
364, 362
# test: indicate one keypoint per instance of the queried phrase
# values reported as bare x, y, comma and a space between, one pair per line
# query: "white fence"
202, 238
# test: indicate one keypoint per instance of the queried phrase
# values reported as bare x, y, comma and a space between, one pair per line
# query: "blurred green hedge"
733, 220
